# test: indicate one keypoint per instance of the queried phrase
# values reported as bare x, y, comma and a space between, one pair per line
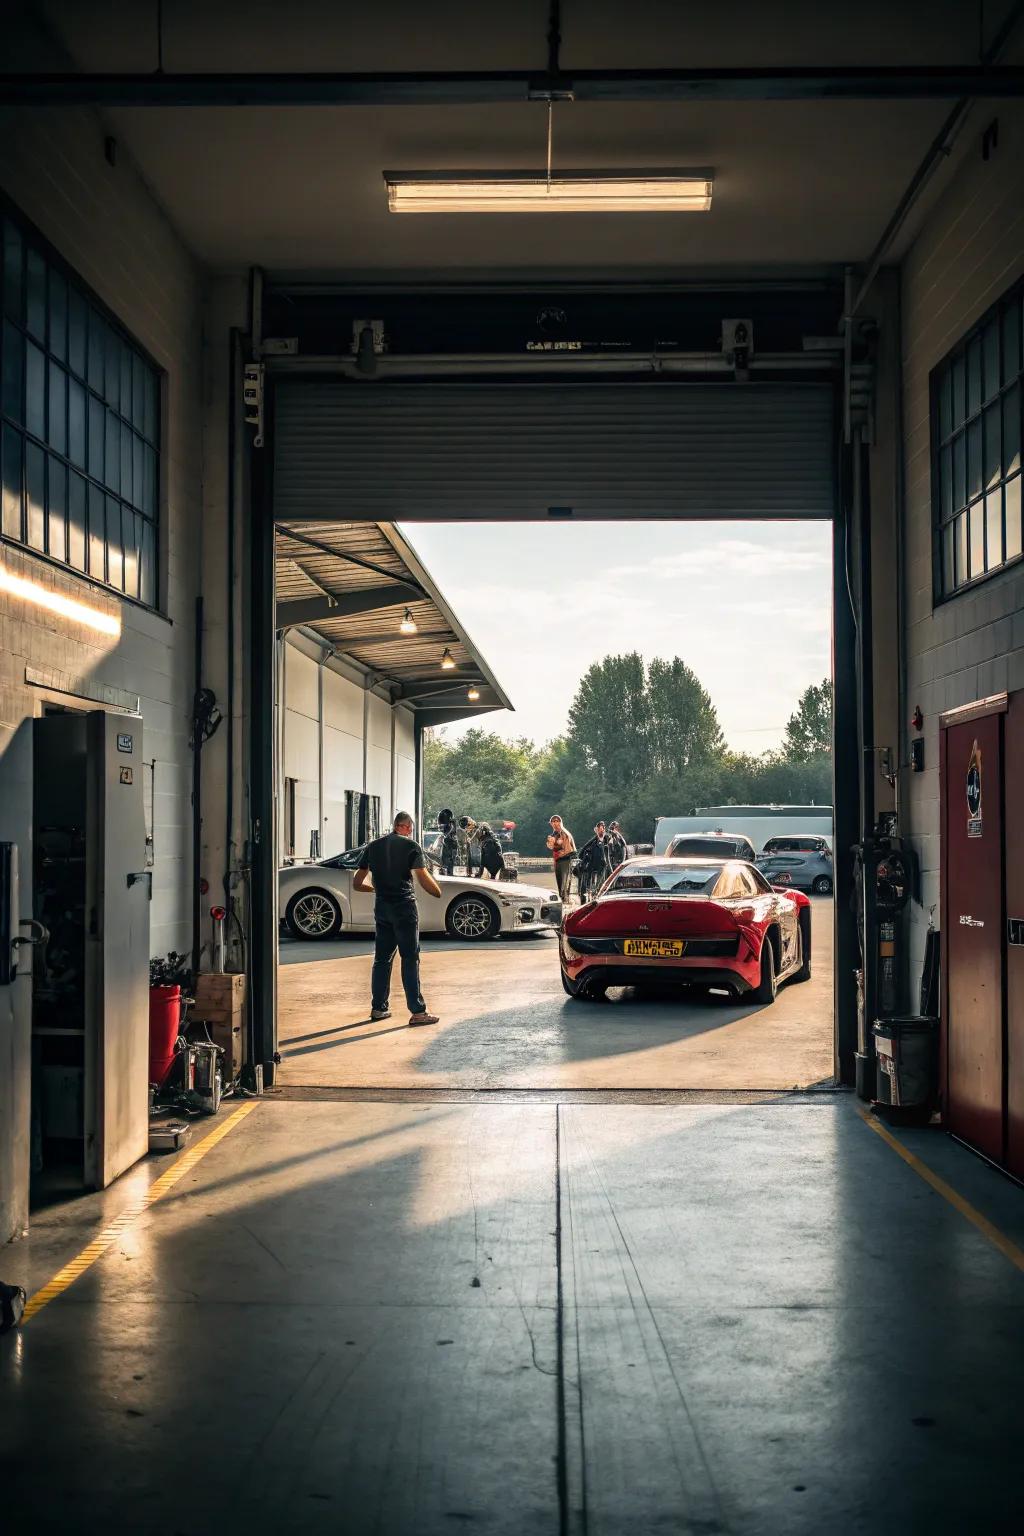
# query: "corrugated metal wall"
515, 450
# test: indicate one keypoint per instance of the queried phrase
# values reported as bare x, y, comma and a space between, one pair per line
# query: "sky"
747, 605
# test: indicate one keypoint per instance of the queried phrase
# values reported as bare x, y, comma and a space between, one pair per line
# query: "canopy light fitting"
645, 191
408, 625
447, 661
472, 694
56, 602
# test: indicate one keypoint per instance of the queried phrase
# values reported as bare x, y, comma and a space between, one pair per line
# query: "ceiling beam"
285, 531
350, 642
467, 87
320, 610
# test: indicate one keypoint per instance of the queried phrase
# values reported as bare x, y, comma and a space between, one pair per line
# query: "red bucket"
164, 1029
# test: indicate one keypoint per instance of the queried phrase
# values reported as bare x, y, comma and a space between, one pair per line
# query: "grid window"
79, 425
977, 400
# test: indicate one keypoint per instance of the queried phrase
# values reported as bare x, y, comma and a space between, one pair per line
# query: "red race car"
711, 923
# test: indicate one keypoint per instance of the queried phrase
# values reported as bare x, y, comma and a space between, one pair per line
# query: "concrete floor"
397, 1318
506, 1023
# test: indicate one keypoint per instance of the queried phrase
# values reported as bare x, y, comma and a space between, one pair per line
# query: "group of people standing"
599, 856
468, 842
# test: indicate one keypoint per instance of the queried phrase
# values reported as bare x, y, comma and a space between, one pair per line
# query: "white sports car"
319, 900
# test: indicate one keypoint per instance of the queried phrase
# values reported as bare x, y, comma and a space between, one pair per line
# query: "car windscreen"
700, 847
347, 860
690, 879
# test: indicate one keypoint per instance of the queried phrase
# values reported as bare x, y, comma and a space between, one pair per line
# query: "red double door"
983, 927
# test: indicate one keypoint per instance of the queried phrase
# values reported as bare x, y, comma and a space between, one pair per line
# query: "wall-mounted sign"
124, 743
974, 820
126, 776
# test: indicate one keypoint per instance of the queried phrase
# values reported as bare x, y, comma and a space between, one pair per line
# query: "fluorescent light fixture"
56, 602
472, 694
447, 661
408, 625
646, 191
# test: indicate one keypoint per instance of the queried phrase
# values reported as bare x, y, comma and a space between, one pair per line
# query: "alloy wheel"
314, 914
471, 919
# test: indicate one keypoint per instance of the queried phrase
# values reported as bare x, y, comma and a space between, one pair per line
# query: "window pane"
138, 470
58, 314
112, 472
97, 351
1011, 430
14, 367
151, 398
959, 388
138, 412
948, 570
115, 558
12, 483
946, 484
962, 573
57, 411
97, 418
126, 462
35, 295
147, 565
14, 286
990, 430
974, 376
129, 538
112, 388
76, 521
35, 496
1013, 528
76, 422
990, 346
97, 534
57, 509
35, 390
149, 483
78, 322
960, 471
974, 476
1011, 341
946, 405
977, 538
126, 381
993, 529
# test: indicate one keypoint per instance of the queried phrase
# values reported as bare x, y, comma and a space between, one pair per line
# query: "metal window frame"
33, 237
937, 443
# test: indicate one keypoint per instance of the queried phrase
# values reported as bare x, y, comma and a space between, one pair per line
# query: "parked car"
811, 871
700, 845
319, 900
710, 923
798, 842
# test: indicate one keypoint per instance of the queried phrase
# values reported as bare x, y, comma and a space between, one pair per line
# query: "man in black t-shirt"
391, 862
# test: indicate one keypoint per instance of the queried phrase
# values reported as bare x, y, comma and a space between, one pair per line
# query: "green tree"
608, 719
809, 730
683, 725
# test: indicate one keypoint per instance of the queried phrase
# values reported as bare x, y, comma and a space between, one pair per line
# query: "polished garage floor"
411, 1318
505, 1022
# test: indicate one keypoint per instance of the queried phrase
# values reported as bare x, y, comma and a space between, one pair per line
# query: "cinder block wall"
969, 251
108, 228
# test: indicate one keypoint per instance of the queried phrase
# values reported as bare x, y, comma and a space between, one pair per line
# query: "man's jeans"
398, 928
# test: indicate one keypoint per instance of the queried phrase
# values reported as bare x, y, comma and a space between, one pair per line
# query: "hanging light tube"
632, 191
408, 625
447, 661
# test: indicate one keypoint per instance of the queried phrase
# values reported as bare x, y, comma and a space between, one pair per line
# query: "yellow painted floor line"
998, 1239
115, 1229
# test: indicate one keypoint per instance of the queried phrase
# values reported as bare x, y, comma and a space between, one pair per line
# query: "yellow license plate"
655, 949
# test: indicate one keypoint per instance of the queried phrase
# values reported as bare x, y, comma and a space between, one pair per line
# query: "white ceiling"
798, 184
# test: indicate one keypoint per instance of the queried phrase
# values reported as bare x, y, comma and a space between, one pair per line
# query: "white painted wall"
109, 229
970, 250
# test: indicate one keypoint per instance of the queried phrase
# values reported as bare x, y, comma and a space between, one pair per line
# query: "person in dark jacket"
593, 862
490, 853
449, 849
617, 850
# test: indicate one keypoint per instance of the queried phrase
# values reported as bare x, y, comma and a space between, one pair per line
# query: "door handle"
145, 875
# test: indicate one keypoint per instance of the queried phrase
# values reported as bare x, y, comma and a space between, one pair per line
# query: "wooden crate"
220, 997
231, 1039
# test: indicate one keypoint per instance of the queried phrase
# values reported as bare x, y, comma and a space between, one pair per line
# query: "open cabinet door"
117, 950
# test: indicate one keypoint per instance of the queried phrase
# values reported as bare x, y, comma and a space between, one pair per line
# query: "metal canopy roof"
350, 584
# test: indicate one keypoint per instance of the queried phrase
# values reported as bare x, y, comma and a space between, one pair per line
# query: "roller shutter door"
516, 450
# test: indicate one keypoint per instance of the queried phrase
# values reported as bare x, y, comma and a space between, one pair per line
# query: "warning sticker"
974, 811
126, 776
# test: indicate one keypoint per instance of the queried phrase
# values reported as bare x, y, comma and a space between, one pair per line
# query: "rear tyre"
313, 914
822, 885
768, 985
804, 973
472, 917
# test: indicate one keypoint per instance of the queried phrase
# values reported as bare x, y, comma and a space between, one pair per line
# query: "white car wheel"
472, 917
313, 915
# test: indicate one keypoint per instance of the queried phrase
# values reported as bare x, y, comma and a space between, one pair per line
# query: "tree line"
643, 740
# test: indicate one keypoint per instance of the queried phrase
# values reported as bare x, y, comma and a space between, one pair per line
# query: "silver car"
809, 871
319, 901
